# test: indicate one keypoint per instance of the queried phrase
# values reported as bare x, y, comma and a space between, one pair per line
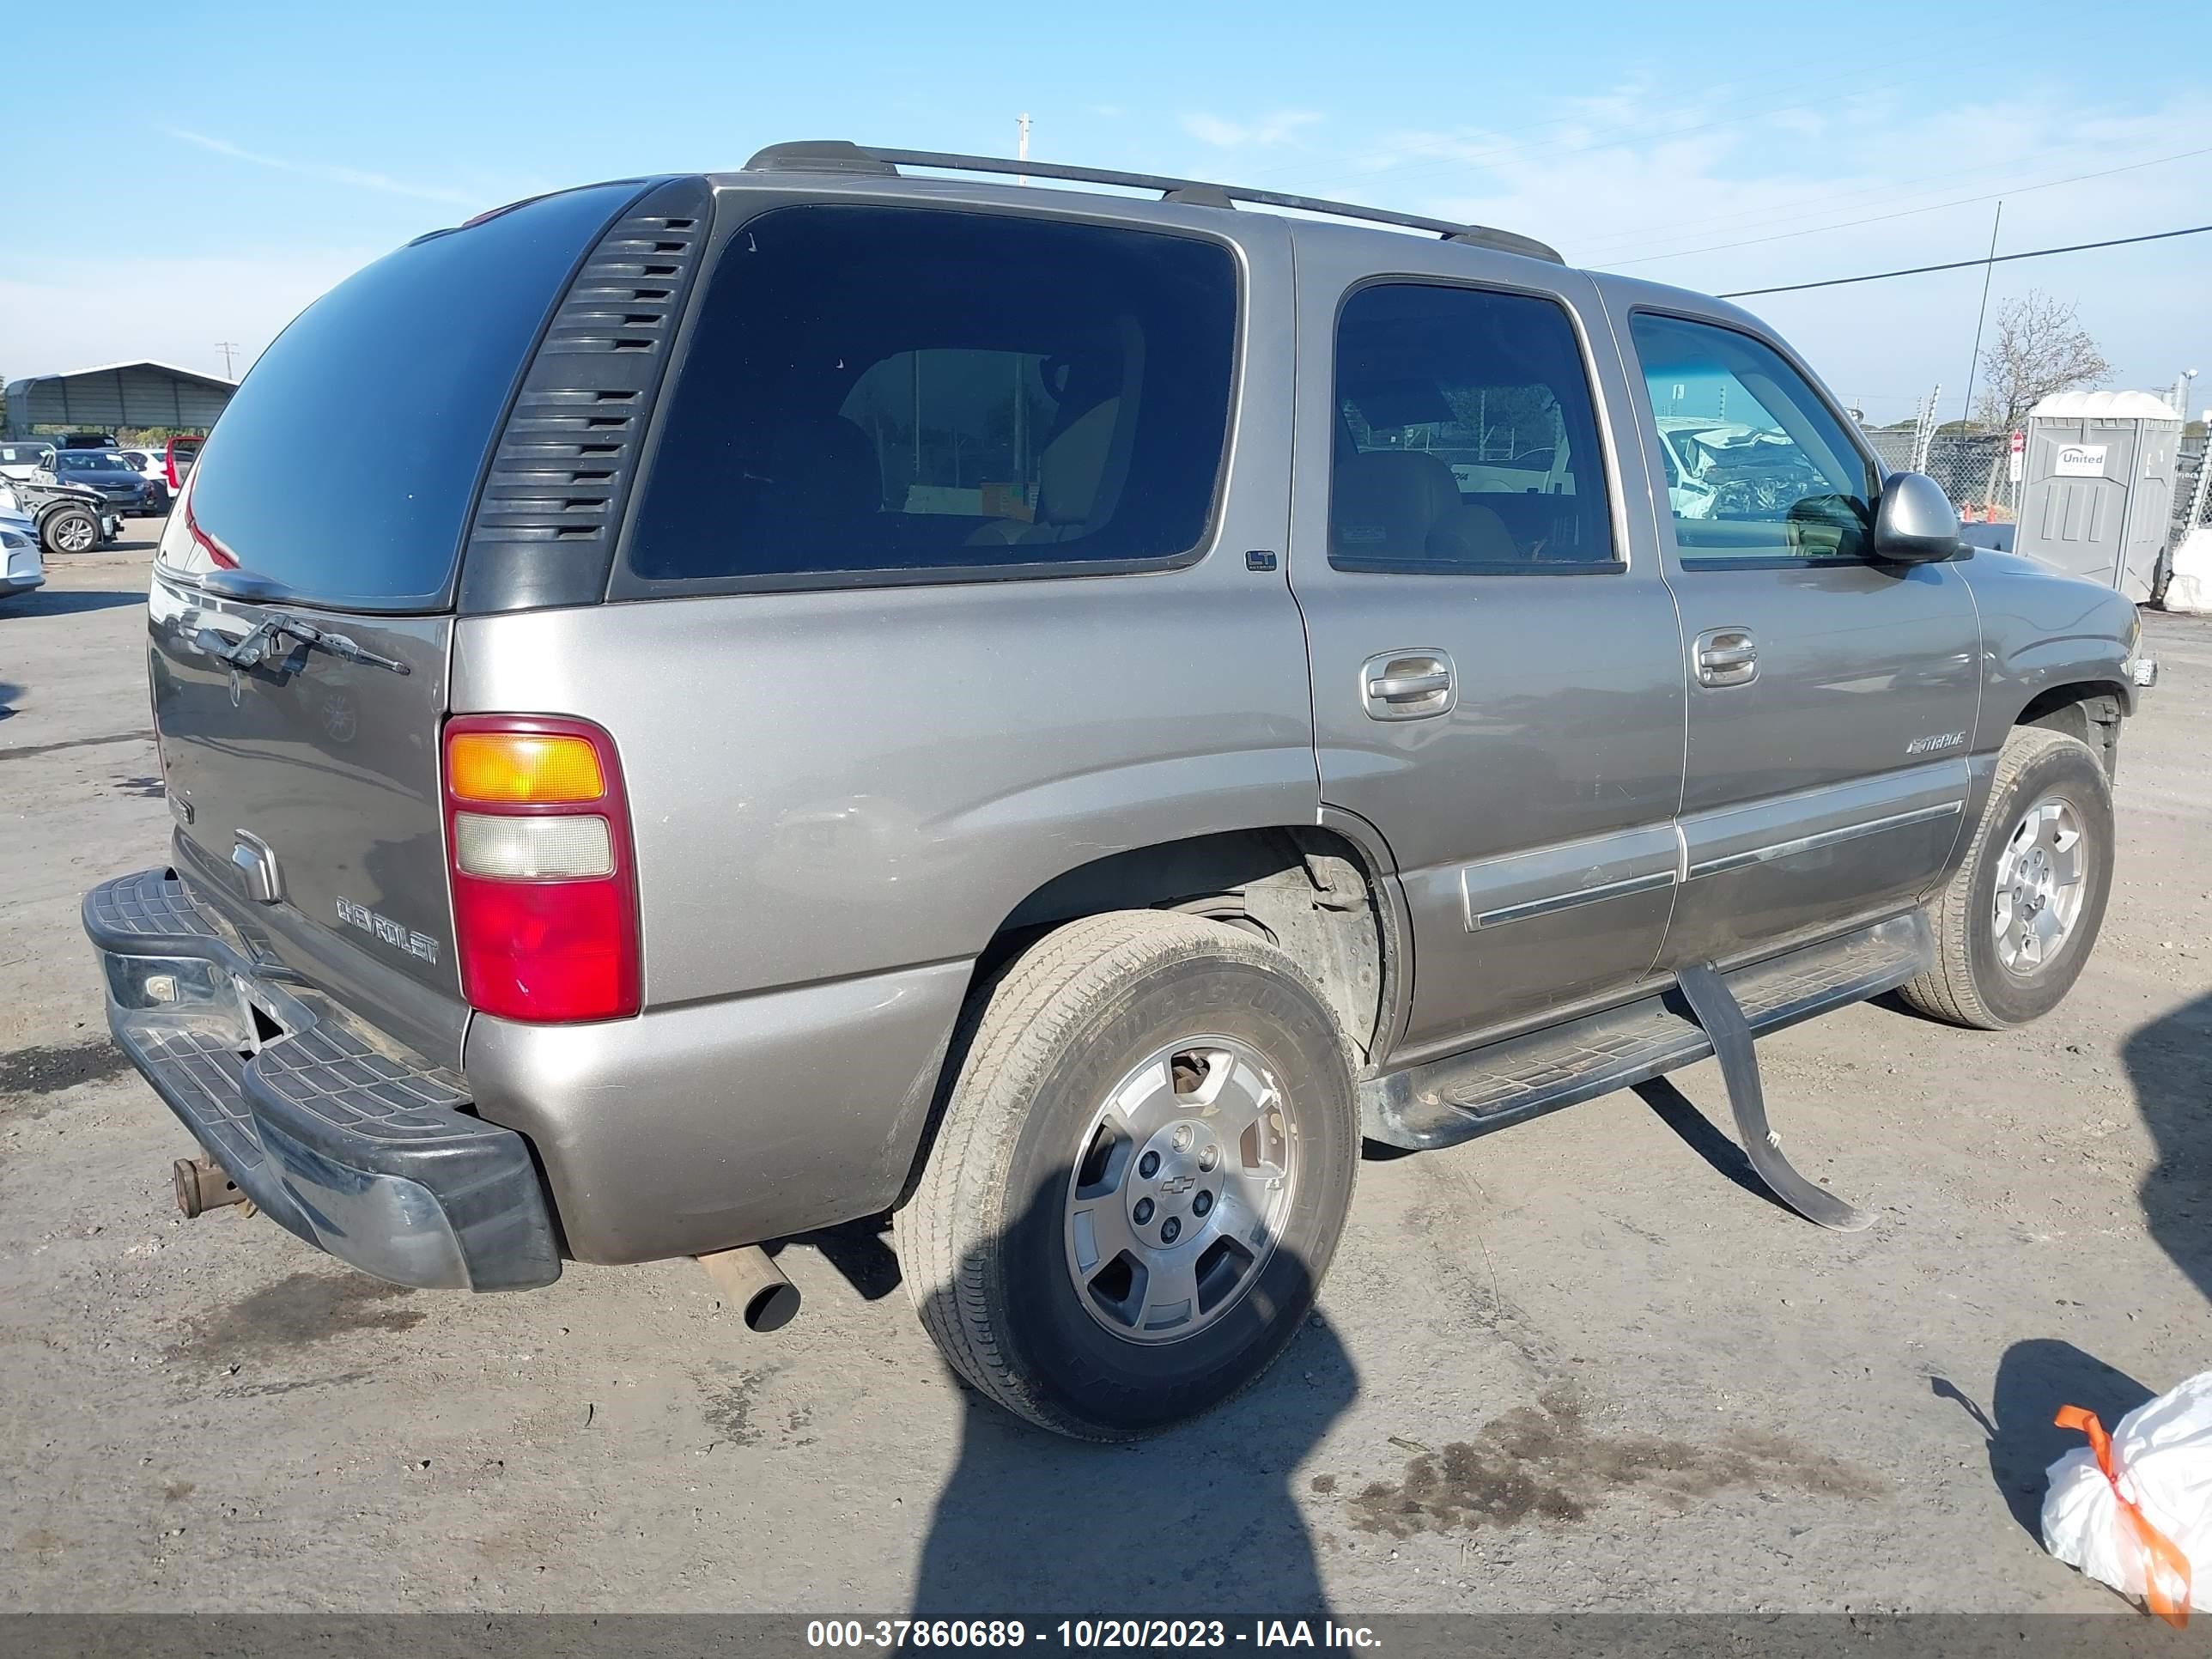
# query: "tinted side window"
1758, 468
1466, 435
877, 389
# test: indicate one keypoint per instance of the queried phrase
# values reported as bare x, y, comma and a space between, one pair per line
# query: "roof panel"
2106, 406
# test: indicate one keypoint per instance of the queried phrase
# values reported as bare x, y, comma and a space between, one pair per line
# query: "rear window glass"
893, 390
345, 466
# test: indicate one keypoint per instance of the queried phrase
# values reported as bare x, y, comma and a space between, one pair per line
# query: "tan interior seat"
1070, 478
1404, 504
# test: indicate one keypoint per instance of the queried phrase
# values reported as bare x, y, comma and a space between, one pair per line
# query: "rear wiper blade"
264, 641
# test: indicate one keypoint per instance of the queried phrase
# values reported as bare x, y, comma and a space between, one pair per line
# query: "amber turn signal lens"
522, 766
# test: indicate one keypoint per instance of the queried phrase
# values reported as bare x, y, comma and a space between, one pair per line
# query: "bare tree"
2040, 347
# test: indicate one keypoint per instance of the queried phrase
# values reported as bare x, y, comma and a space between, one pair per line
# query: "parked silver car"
840, 694
22, 565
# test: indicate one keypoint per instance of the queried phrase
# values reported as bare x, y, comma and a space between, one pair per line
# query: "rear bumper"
365, 1154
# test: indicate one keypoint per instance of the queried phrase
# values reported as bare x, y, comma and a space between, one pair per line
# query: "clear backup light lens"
563, 848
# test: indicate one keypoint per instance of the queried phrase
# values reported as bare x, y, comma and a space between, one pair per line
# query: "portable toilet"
2097, 494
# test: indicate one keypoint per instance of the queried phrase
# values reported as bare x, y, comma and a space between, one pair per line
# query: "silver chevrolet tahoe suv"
1054, 717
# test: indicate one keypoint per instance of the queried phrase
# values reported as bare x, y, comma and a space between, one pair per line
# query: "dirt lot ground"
1582, 1365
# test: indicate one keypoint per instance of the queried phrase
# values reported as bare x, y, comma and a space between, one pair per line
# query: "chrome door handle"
1727, 656
1404, 688
1407, 685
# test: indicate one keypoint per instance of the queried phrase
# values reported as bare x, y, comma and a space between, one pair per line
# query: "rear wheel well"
2089, 712
1309, 891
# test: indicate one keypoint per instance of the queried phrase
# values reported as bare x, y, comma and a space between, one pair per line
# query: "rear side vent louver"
544, 527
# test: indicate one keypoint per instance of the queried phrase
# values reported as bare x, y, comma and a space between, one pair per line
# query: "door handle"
1407, 685
1727, 656
1405, 688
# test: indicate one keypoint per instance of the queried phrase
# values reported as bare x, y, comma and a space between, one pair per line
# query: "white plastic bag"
2136, 1512
2189, 583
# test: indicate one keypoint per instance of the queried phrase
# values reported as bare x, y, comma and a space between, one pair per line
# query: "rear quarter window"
900, 393
345, 467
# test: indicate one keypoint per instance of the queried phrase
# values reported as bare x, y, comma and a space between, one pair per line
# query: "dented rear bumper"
344, 1139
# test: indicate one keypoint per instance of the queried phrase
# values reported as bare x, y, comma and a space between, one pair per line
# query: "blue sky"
276, 148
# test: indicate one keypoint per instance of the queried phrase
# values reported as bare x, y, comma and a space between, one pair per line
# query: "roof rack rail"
836, 156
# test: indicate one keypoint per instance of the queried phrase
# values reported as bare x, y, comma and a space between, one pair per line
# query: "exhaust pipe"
203, 1185
766, 1300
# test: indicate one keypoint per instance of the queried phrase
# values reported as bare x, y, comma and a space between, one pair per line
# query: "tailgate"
305, 790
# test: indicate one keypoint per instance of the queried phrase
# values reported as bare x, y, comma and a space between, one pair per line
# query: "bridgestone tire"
1969, 984
981, 1244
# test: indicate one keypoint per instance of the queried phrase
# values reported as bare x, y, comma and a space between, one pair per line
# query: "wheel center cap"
1173, 1185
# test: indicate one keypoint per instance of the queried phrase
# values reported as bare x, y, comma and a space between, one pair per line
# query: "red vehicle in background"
177, 461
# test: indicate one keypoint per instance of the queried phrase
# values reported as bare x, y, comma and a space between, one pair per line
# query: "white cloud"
1264, 132
354, 177
1765, 200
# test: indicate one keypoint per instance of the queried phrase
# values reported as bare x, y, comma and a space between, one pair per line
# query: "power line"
1907, 213
1967, 264
1812, 207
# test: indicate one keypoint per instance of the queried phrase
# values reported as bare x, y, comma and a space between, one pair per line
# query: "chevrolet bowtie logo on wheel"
1176, 1186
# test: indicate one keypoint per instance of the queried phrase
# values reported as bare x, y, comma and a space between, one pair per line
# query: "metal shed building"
118, 394
2097, 490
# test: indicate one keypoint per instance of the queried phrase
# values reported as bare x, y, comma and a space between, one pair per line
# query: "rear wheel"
1142, 1175
2015, 929
69, 529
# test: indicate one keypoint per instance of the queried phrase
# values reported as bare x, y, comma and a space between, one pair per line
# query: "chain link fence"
1974, 473
2192, 489
1971, 468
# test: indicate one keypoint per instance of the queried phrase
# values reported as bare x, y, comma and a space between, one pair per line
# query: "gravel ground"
1584, 1364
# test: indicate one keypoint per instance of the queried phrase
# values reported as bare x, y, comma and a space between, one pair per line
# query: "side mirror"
1914, 523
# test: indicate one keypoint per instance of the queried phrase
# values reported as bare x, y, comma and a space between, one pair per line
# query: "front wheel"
2015, 929
69, 529
1141, 1174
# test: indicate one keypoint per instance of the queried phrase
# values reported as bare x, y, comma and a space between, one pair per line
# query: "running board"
1716, 1010
1444, 1101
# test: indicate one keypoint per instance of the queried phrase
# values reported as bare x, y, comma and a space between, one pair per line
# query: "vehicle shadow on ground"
2169, 1062
1198, 1522
1679, 1113
2033, 1380
46, 602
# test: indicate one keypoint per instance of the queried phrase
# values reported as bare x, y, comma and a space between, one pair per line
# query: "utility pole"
1022, 144
226, 347
1988, 269
2181, 392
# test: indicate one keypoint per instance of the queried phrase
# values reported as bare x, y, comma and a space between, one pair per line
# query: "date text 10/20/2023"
1087, 1634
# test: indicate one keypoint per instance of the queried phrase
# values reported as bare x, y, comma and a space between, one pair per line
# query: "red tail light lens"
538, 849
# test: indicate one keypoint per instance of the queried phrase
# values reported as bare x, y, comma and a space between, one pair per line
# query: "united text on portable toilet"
2097, 495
